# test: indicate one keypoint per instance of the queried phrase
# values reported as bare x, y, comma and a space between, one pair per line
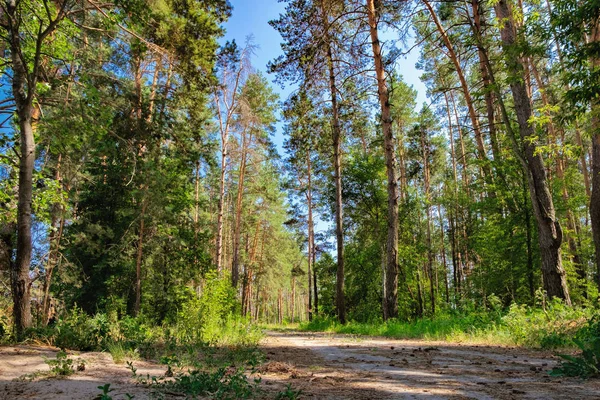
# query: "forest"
165, 199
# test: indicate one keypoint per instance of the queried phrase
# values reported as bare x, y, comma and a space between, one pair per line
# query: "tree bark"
481, 151
237, 229
595, 197
20, 281
391, 276
340, 302
138, 262
311, 239
549, 231
426, 173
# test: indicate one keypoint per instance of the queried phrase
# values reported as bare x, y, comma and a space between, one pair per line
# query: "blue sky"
251, 17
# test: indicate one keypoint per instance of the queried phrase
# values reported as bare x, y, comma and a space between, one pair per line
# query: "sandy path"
19, 364
336, 366
327, 366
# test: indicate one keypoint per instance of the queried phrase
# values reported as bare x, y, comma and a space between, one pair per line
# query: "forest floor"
325, 366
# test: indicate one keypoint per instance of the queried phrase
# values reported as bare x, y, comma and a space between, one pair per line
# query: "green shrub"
214, 317
587, 363
224, 383
62, 365
549, 327
79, 331
288, 393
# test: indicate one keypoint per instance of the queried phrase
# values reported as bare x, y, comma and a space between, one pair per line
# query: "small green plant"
170, 361
62, 365
105, 395
224, 383
288, 393
106, 390
132, 369
117, 351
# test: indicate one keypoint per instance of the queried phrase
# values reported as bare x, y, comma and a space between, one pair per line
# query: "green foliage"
225, 383
62, 365
289, 393
79, 331
587, 363
106, 390
120, 352
549, 327
553, 327
105, 395
214, 317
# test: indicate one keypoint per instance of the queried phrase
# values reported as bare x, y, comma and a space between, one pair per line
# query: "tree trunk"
138, 262
293, 303
443, 252
20, 282
340, 302
594, 38
237, 228
311, 239
481, 151
549, 230
391, 276
426, 173
58, 223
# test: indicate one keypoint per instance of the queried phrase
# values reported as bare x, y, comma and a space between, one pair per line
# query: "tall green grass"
551, 327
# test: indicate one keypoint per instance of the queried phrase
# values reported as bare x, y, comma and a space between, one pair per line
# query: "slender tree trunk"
196, 215
426, 174
595, 197
455, 255
402, 165
549, 231
138, 262
221, 209
340, 302
391, 276
477, 26
528, 243
293, 303
237, 228
443, 251
58, 223
463, 152
420, 302
311, 239
280, 306
481, 151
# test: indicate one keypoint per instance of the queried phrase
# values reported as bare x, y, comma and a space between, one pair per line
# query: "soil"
325, 366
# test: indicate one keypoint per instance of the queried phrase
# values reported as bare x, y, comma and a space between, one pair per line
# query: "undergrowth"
550, 327
586, 364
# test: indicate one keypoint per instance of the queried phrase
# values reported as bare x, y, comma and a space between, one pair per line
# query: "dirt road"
341, 367
326, 366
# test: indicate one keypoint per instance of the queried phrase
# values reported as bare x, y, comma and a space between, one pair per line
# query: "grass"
550, 328
120, 353
443, 328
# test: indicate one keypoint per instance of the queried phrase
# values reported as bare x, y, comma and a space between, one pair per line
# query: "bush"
214, 317
79, 331
62, 365
586, 364
225, 383
550, 327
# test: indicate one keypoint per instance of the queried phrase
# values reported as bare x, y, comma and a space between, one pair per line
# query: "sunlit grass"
550, 328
